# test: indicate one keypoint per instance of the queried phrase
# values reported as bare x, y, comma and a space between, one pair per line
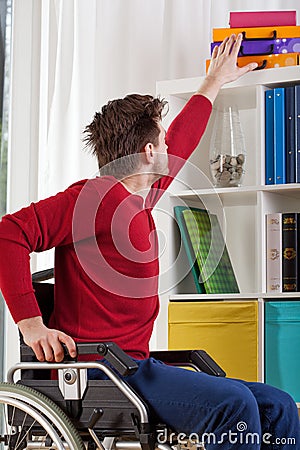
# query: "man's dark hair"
122, 128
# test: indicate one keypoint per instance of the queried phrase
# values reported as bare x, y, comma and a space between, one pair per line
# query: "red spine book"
241, 19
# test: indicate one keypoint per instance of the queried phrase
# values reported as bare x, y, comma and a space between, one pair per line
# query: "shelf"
234, 297
208, 297
290, 190
228, 196
185, 87
233, 196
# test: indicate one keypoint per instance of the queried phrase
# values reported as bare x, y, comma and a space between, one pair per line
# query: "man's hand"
45, 342
223, 67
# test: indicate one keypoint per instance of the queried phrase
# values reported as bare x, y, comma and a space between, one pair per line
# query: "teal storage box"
282, 344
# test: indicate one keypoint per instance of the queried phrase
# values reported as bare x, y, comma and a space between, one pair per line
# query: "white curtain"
85, 52
95, 50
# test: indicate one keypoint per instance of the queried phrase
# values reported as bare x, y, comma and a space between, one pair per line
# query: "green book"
178, 210
205, 234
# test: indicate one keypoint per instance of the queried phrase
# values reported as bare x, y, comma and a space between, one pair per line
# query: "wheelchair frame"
75, 413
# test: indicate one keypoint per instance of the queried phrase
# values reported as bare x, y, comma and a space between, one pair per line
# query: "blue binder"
269, 141
297, 131
290, 141
279, 136
282, 343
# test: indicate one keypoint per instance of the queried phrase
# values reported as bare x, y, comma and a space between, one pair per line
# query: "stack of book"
270, 38
282, 254
282, 132
206, 251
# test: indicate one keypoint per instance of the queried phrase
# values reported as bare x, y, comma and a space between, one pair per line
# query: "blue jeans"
223, 413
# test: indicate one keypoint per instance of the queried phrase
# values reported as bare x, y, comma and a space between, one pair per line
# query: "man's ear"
149, 153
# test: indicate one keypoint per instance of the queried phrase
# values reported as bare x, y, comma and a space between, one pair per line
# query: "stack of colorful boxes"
270, 38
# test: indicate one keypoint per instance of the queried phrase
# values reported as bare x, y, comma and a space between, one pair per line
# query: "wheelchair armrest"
109, 350
199, 358
120, 361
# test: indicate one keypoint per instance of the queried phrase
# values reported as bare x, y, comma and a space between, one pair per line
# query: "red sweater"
106, 250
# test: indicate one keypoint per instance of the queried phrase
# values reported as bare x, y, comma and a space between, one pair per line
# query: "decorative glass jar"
227, 148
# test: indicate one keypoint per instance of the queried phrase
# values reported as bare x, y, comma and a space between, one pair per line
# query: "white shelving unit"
241, 211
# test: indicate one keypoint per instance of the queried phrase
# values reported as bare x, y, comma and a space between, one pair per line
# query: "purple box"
266, 46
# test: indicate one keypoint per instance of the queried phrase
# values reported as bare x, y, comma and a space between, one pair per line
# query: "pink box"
241, 19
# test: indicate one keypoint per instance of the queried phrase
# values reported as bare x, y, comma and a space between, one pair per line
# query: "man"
106, 264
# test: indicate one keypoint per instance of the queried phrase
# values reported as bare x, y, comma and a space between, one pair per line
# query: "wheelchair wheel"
30, 420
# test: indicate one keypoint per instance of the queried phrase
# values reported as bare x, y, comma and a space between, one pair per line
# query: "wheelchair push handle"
42, 275
118, 359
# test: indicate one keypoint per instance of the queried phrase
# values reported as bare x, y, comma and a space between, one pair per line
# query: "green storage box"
282, 346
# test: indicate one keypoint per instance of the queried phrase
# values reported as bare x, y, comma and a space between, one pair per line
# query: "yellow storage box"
227, 330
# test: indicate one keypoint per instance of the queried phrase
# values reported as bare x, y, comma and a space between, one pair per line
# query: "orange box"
267, 61
219, 34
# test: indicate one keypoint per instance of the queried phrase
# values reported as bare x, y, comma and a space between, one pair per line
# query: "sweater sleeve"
182, 138
38, 227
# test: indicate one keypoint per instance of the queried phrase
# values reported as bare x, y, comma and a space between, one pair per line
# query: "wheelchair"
75, 413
